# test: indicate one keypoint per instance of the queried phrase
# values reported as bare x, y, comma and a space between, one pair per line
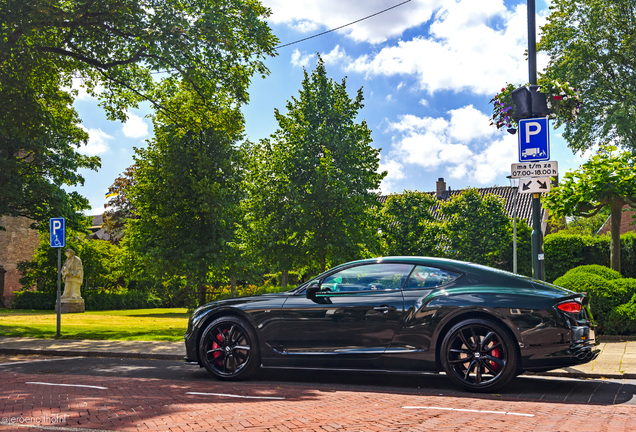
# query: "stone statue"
73, 275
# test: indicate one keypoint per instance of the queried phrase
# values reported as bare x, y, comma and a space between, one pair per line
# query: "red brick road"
131, 404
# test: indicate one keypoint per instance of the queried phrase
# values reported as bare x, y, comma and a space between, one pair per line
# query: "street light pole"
538, 264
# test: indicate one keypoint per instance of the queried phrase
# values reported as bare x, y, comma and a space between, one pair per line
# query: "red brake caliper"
495, 353
215, 345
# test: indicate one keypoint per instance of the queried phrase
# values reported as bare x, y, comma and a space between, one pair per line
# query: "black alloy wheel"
228, 349
479, 355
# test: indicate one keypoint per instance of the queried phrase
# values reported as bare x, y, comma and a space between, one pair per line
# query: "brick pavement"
133, 404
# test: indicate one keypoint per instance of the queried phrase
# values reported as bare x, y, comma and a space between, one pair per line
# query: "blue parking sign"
534, 140
57, 232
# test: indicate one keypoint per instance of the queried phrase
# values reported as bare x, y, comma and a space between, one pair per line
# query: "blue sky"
428, 70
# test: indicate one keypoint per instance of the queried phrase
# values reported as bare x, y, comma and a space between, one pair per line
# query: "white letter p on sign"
56, 225
533, 132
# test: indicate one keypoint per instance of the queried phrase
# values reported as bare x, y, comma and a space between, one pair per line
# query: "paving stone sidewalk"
617, 358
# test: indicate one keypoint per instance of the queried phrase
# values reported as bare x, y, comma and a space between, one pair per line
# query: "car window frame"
300, 290
459, 273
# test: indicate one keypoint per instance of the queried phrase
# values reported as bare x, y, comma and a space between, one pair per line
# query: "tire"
229, 349
479, 355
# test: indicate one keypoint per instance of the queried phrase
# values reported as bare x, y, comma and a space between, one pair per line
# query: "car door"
353, 317
411, 348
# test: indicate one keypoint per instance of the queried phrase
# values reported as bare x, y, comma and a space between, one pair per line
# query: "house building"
17, 244
627, 219
524, 200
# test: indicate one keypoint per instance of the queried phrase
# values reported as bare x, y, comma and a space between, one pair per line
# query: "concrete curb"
81, 353
582, 375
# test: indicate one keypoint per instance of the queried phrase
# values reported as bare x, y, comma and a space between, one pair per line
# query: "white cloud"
135, 127
335, 13
96, 142
336, 55
389, 97
461, 145
400, 85
306, 26
462, 51
423, 102
395, 171
298, 59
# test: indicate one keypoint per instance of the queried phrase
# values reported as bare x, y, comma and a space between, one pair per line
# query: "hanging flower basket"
563, 100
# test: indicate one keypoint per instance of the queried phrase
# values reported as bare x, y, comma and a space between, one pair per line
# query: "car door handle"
385, 309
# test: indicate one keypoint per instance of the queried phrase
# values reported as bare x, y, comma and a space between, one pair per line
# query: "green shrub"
622, 319
34, 300
128, 300
566, 251
92, 300
605, 272
601, 291
628, 254
624, 289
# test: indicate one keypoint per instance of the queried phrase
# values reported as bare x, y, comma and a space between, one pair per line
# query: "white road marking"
69, 385
235, 396
469, 410
33, 361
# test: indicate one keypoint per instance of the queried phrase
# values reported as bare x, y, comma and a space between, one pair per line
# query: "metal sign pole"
514, 234
538, 271
59, 301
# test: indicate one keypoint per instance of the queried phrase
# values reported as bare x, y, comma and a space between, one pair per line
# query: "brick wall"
626, 220
17, 244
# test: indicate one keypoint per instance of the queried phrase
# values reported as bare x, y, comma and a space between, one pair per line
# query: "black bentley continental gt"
480, 326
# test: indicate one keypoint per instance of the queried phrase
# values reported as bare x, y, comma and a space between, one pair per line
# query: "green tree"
322, 174
606, 181
592, 45
133, 51
186, 203
408, 224
270, 227
476, 228
100, 260
119, 209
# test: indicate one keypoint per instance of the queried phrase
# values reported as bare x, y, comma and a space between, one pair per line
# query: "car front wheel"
479, 355
228, 349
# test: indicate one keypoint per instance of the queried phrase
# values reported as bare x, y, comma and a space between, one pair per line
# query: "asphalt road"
129, 394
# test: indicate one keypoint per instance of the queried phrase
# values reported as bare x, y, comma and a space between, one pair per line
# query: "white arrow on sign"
534, 185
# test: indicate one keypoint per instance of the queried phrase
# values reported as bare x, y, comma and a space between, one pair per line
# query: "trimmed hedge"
602, 300
622, 319
612, 297
129, 300
566, 251
598, 270
92, 300
34, 300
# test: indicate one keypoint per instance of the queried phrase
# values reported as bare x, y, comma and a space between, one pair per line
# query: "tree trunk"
284, 275
202, 293
233, 285
323, 262
615, 243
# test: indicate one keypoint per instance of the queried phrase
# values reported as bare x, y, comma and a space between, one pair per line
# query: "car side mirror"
312, 290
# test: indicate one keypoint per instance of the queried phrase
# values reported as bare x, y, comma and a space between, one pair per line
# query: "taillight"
572, 306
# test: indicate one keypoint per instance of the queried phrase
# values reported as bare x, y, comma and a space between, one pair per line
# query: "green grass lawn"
134, 324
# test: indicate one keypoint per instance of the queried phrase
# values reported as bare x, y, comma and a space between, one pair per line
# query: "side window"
429, 277
372, 277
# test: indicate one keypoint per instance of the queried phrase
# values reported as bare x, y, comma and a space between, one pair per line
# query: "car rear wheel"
228, 349
479, 355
